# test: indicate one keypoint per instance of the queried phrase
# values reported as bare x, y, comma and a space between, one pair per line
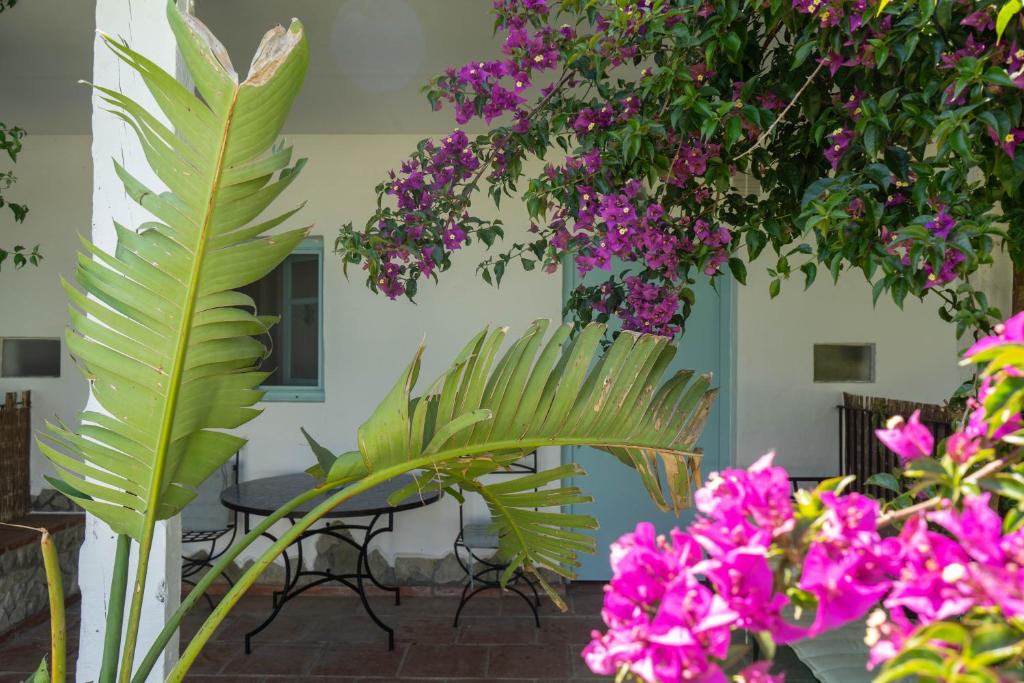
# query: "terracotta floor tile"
214, 656
22, 655
504, 631
587, 603
529, 661
358, 660
425, 630
570, 630
350, 629
274, 659
449, 661
331, 639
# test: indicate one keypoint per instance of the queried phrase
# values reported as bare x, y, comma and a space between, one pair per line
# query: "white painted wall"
780, 407
54, 179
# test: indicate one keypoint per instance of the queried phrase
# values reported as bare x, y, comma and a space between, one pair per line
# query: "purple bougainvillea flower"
838, 142
942, 225
909, 439
388, 281
947, 270
982, 20
1015, 64
1008, 143
454, 236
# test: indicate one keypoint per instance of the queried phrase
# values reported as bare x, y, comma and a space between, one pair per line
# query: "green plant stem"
158, 646
135, 613
115, 610
55, 592
898, 515
55, 586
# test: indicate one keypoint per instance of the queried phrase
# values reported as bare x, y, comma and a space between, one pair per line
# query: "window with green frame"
294, 292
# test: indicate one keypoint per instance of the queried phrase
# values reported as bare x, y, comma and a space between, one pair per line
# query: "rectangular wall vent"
844, 362
30, 357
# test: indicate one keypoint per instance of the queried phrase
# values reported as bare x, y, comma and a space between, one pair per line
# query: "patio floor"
330, 639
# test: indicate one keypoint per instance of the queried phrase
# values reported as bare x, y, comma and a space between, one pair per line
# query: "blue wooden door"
620, 500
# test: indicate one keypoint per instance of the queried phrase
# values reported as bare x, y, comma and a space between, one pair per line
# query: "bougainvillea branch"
879, 139
763, 137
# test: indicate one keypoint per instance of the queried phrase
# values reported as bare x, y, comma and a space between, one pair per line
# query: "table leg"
277, 598
372, 533
363, 571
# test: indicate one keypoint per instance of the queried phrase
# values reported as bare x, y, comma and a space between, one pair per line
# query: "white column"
143, 24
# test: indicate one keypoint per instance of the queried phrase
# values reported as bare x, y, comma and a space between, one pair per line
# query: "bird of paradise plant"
172, 353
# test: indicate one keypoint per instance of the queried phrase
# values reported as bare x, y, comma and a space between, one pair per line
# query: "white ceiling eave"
369, 59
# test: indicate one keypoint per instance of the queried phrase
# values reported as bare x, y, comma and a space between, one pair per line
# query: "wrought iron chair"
205, 521
475, 547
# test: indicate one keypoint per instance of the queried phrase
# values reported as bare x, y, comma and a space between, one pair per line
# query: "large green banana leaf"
168, 345
560, 392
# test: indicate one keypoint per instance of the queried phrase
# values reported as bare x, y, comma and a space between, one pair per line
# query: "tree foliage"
10, 142
684, 137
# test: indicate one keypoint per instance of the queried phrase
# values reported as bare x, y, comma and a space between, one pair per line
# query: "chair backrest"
477, 518
205, 512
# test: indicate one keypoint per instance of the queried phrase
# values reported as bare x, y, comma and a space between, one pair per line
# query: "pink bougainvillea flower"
1010, 332
932, 572
760, 672
848, 565
909, 439
886, 634
743, 507
961, 446
746, 581
977, 528
663, 624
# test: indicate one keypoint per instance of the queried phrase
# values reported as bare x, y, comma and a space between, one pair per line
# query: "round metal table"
261, 497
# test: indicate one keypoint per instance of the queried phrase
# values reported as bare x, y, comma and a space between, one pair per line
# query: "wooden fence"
861, 453
15, 439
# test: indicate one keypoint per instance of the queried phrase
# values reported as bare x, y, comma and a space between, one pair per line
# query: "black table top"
264, 496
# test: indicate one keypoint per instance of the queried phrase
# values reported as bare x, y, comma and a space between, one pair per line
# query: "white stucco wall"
55, 181
778, 404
